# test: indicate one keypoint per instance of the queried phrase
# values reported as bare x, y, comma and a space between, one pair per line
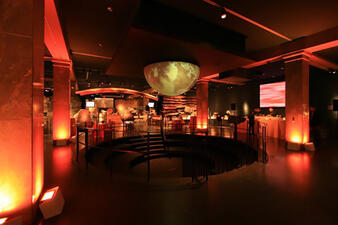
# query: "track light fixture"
224, 14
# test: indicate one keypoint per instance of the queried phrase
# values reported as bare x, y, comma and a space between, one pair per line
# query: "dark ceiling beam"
307, 46
312, 59
72, 74
315, 42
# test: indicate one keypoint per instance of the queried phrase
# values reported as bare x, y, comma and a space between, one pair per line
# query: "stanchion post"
264, 142
77, 143
97, 133
148, 157
235, 130
86, 144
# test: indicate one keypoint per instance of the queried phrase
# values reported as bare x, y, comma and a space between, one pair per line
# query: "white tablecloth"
275, 126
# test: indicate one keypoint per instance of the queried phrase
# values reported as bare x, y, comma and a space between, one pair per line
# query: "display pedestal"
293, 146
61, 142
309, 147
298, 147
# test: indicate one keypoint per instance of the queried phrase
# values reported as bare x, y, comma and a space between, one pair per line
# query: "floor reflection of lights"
62, 160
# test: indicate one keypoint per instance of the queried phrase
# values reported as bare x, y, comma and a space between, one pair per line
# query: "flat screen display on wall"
272, 95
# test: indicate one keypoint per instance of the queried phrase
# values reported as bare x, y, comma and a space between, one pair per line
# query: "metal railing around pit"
109, 132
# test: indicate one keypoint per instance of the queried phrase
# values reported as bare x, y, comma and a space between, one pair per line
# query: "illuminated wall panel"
297, 101
21, 107
202, 104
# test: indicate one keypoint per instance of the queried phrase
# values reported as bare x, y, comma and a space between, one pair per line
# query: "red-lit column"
61, 101
21, 108
297, 100
202, 104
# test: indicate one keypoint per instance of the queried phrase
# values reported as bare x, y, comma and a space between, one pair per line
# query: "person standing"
252, 123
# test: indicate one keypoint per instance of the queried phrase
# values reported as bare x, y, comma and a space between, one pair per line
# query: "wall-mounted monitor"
151, 104
272, 95
90, 104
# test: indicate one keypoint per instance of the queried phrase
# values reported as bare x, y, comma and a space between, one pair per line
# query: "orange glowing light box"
49, 194
11, 221
3, 220
52, 203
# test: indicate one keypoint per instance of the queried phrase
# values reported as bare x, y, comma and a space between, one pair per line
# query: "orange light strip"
257, 24
54, 39
314, 60
94, 91
212, 3
324, 46
225, 82
211, 76
92, 55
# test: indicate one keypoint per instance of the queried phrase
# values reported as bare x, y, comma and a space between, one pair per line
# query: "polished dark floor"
292, 188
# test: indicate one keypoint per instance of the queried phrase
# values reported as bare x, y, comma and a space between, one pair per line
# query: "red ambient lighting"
94, 91
49, 194
3, 220
272, 95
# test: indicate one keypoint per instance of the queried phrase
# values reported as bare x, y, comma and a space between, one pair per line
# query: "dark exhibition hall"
168, 112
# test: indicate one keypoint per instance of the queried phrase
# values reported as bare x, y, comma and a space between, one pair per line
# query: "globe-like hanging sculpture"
171, 78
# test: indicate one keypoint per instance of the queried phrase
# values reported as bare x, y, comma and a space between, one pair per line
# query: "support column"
297, 101
202, 104
21, 108
61, 102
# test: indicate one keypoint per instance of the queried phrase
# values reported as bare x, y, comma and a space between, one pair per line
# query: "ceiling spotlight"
224, 14
331, 71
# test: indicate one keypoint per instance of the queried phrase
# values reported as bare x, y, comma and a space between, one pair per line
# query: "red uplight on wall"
61, 134
297, 137
202, 105
202, 125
